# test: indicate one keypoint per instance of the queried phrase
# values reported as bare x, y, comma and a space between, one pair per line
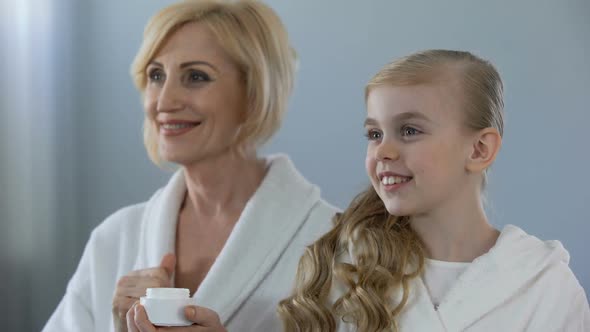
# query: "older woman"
230, 226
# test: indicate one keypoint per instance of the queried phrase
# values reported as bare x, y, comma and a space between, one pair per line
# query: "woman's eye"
409, 131
156, 75
373, 135
197, 76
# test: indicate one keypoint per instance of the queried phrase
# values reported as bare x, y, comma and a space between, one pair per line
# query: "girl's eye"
373, 135
409, 131
197, 76
156, 75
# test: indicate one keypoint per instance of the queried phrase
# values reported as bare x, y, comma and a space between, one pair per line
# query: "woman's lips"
177, 128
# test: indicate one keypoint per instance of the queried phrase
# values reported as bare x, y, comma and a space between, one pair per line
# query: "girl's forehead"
435, 101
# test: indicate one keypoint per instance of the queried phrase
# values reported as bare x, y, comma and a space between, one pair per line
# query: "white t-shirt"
439, 277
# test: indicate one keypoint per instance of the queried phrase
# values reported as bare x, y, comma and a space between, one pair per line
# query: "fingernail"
191, 311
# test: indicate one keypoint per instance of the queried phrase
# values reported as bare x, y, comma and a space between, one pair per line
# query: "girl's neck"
459, 232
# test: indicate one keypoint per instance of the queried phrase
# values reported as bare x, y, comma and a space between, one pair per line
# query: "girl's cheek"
369, 165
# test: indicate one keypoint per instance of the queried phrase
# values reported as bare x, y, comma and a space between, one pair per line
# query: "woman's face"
195, 97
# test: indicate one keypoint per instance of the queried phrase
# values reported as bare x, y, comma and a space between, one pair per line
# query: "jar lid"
167, 293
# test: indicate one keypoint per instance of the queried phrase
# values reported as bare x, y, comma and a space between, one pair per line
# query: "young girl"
415, 251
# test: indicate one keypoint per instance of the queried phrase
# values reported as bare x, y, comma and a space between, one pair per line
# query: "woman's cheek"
149, 103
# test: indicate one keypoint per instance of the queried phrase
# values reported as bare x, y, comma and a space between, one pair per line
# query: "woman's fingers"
131, 319
202, 316
168, 263
141, 320
124, 303
135, 286
159, 273
132, 286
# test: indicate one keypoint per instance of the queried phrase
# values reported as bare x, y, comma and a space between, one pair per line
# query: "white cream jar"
165, 306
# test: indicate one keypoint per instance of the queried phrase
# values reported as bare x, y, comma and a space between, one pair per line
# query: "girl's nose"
387, 151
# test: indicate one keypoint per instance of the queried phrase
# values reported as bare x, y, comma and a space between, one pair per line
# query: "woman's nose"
170, 97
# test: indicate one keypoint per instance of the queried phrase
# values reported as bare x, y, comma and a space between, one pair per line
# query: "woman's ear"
485, 147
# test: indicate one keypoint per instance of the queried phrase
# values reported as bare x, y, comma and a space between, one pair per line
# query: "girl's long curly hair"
383, 247
386, 253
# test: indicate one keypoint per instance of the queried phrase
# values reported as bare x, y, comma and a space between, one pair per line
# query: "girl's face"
418, 146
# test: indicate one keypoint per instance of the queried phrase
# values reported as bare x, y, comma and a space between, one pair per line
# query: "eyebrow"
411, 115
187, 64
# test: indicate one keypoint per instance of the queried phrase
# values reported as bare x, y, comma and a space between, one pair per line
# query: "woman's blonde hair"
254, 37
386, 253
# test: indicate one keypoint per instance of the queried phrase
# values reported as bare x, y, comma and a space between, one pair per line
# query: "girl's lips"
393, 181
390, 173
395, 186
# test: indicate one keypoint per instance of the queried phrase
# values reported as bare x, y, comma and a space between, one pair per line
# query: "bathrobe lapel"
268, 223
159, 223
265, 228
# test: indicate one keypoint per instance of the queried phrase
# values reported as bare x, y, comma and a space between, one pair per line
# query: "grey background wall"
70, 129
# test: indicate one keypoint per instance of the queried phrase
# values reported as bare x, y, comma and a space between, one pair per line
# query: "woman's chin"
176, 157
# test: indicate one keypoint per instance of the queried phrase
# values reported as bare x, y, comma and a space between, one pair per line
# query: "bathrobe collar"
269, 221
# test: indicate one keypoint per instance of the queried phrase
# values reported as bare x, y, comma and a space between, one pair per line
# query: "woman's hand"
206, 320
133, 285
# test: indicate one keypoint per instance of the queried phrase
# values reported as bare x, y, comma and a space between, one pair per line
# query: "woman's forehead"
192, 42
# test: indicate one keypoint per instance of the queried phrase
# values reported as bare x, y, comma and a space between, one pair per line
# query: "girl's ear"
485, 147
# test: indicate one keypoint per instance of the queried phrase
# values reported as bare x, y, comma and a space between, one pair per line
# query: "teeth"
389, 180
172, 126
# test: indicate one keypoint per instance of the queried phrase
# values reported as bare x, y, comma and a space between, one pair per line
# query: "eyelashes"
156, 75
195, 76
406, 132
373, 135
190, 77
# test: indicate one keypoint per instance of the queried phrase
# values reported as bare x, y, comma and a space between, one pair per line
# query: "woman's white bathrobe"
253, 272
521, 284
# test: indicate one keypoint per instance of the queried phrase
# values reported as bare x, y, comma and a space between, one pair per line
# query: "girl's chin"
396, 209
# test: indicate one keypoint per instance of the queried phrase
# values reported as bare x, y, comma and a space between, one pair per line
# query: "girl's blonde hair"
254, 37
386, 253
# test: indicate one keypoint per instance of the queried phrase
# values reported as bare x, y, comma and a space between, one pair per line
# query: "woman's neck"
459, 232
221, 186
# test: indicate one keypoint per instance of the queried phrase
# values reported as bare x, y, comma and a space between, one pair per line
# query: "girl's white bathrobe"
521, 284
253, 272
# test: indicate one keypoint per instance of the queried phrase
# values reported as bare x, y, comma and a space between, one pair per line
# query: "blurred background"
71, 151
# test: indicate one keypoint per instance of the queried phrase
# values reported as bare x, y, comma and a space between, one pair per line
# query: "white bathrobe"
253, 272
521, 284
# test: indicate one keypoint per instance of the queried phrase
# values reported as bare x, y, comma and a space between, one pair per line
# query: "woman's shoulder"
126, 221
302, 195
324, 208
124, 218
320, 219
